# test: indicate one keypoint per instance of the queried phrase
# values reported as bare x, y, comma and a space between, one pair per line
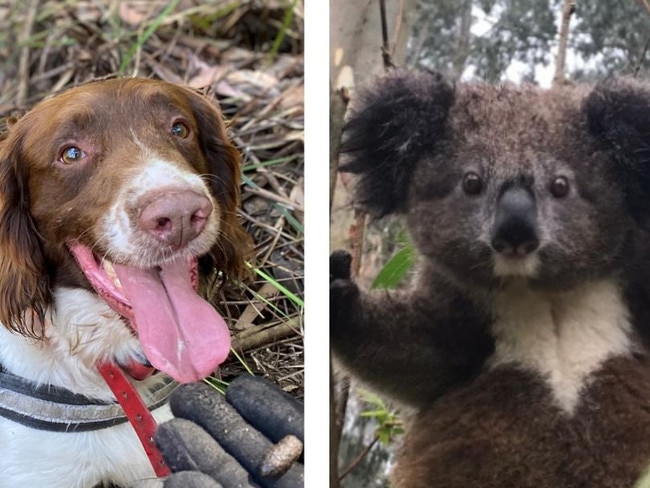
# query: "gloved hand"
252, 437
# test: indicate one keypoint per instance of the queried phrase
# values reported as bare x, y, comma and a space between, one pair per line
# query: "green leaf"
396, 268
373, 413
384, 436
388, 424
644, 481
370, 397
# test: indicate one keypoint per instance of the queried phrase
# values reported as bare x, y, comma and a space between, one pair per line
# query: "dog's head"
119, 185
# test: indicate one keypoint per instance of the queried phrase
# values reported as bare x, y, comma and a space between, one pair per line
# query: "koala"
522, 342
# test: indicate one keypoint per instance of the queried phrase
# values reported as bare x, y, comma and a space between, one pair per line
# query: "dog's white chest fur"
81, 331
38, 458
564, 336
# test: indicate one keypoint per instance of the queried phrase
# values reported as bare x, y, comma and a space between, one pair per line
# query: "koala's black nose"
515, 223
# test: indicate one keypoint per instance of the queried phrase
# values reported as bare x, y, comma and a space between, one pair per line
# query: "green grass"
280, 208
270, 162
287, 293
142, 39
286, 22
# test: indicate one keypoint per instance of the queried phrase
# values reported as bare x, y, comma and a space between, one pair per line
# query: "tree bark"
567, 12
462, 48
356, 57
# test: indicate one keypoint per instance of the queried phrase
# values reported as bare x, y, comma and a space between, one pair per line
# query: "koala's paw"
340, 265
344, 293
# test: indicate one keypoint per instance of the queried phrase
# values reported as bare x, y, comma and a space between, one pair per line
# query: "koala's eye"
560, 187
472, 183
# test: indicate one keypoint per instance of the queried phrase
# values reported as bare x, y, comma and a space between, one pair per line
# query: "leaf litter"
248, 55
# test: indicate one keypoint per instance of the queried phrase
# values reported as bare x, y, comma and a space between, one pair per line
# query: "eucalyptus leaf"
396, 268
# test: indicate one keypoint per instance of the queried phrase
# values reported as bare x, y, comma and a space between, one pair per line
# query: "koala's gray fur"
522, 343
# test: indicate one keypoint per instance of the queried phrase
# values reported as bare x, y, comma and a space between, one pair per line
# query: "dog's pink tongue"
181, 334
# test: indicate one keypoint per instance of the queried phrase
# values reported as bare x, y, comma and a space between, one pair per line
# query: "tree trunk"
355, 37
355, 58
560, 61
462, 47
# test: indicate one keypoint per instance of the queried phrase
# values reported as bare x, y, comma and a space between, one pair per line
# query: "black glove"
252, 437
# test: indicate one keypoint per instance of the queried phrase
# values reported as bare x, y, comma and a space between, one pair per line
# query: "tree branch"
359, 458
645, 4
338, 390
567, 11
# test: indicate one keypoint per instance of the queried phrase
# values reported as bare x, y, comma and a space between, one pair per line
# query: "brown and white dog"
112, 196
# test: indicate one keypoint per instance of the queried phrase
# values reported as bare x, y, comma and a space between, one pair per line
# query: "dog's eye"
179, 129
71, 155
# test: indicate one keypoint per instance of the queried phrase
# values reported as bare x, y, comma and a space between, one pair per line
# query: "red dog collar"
137, 412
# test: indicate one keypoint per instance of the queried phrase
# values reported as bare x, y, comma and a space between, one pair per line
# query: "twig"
385, 45
355, 462
281, 199
646, 5
339, 392
273, 181
254, 308
255, 337
567, 11
279, 225
357, 233
338, 105
23, 62
637, 68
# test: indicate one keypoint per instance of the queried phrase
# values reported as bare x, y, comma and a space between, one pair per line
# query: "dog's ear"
24, 283
234, 246
618, 116
393, 124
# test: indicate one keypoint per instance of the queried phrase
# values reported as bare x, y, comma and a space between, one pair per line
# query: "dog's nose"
175, 218
515, 223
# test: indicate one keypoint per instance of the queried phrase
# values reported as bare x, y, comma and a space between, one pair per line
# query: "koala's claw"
340, 261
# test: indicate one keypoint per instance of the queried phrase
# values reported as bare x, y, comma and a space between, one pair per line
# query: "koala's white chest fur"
563, 336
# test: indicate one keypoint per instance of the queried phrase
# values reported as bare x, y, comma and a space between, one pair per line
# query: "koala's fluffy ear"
392, 125
618, 115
